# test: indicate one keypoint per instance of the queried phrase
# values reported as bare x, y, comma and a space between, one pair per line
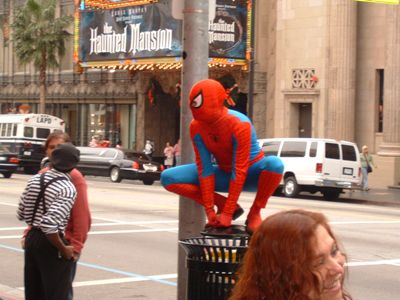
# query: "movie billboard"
228, 31
150, 31
134, 32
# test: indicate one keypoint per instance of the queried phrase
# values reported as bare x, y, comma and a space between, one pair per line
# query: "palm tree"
39, 37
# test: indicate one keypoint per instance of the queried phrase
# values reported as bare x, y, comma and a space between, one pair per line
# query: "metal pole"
195, 68
251, 63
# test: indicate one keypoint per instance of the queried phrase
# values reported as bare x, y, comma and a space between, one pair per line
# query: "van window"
42, 133
15, 130
28, 131
349, 153
270, 148
332, 151
313, 149
294, 149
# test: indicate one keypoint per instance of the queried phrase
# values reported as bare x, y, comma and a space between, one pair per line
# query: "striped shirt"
58, 197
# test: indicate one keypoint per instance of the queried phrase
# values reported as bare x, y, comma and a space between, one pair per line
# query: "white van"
316, 165
25, 134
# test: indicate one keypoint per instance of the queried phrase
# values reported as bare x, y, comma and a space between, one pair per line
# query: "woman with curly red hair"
293, 255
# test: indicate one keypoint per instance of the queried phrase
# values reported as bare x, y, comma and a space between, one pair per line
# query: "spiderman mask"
206, 100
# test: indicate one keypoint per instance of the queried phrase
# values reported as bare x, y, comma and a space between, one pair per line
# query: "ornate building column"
341, 69
140, 113
391, 106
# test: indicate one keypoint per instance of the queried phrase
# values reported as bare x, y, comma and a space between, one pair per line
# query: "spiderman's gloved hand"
224, 220
211, 217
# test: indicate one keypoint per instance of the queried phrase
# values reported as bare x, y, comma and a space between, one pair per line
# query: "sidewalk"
375, 196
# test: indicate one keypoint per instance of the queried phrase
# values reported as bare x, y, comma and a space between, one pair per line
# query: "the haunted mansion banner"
150, 31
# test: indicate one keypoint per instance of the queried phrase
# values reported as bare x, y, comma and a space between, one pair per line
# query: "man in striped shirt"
45, 205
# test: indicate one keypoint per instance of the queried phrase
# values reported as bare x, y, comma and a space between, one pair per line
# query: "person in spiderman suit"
228, 137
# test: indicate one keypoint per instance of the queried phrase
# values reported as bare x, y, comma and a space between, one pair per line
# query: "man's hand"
211, 217
76, 256
224, 220
67, 252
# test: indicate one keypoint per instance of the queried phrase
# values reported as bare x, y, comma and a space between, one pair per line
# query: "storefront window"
97, 119
114, 123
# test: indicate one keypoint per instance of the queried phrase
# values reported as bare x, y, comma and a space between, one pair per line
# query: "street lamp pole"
195, 68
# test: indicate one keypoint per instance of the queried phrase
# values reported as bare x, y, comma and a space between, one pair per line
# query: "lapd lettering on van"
43, 119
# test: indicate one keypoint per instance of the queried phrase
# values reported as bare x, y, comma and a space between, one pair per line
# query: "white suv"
316, 165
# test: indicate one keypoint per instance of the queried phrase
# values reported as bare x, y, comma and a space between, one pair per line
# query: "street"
131, 252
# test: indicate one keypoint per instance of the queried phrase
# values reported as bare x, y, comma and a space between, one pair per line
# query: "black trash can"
212, 265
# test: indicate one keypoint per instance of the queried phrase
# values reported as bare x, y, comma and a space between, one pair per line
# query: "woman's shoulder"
76, 175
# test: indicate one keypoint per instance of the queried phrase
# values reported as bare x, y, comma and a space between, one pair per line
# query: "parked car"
9, 161
316, 165
119, 164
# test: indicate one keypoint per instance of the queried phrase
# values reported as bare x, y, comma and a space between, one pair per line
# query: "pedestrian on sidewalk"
80, 219
148, 149
168, 155
292, 255
45, 206
367, 162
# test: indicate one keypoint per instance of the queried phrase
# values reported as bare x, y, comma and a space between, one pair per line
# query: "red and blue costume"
228, 159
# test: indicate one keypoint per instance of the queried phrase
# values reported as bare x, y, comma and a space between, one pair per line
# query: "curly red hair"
278, 262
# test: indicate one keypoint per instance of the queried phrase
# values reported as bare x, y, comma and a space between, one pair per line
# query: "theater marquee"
130, 33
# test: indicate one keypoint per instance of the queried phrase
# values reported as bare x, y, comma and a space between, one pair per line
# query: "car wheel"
7, 174
115, 174
291, 188
331, 195
148, 181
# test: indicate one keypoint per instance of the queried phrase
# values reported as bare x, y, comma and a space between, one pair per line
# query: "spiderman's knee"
167, 177
274, 164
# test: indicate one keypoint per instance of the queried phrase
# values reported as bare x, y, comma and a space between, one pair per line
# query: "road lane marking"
143, 223
172, 229
393, 262
138, 223
107, 269
11, 248
363, 222
12, 228
133, 277
9, 204
129, 274
9, 237
123, 280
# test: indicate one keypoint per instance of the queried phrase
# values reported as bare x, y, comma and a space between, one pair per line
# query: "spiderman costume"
228, 159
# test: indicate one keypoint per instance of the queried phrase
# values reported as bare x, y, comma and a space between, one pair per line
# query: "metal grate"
303, 79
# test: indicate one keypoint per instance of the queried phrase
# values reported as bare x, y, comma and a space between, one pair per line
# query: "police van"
25, 134
316, 165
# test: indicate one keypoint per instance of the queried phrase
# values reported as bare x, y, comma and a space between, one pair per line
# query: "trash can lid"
234, 231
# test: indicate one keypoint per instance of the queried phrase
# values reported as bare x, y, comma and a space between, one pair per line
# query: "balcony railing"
21, 79
4, 80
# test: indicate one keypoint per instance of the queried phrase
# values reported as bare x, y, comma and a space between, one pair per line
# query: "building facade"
322, 68
329, 68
